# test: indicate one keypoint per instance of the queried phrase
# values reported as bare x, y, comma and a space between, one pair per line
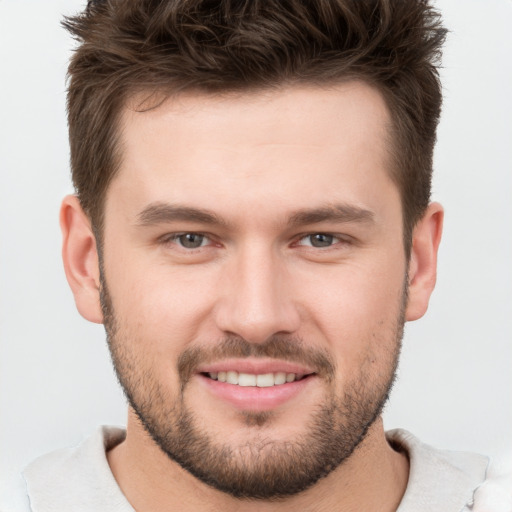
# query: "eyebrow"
331, 213
161, 213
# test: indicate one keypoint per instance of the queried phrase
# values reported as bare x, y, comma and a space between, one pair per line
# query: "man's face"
256, 239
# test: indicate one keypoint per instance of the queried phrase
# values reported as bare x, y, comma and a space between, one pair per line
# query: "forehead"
287, 146
294, 114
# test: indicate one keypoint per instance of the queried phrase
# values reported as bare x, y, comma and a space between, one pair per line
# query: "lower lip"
252, 398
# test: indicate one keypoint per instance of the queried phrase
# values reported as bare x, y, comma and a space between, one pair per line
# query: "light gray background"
455, 381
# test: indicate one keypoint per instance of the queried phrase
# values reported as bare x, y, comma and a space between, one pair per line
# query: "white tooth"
246, 379
213, 375
232, 377
265, 380
221, 376
290, 377
299, 376
279, 378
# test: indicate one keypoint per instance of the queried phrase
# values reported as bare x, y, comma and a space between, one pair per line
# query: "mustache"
287, 348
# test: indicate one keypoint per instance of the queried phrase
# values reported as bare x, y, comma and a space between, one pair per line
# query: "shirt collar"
439, 480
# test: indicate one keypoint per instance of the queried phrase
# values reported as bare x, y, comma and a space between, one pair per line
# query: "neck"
374, 477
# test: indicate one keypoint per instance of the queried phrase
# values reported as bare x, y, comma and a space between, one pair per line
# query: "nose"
257, 300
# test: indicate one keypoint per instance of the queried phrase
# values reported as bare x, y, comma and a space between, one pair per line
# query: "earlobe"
80, 258
423, 261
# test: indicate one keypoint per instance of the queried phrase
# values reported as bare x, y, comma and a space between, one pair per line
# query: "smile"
264, 380
256, 387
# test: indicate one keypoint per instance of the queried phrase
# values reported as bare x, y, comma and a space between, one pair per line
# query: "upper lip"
254, 366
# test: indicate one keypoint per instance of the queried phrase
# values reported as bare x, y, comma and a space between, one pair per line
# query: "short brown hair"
168, 46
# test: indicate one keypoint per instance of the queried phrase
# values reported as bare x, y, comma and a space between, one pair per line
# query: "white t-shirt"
79, 479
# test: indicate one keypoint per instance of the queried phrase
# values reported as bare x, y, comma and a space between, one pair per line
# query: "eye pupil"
321, 240
191, 240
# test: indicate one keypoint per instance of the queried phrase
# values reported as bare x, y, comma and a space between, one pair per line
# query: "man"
252, 225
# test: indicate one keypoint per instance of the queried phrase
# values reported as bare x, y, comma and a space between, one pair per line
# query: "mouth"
262, 380
255, 385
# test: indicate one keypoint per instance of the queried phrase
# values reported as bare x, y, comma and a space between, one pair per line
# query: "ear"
80, 257
423, 261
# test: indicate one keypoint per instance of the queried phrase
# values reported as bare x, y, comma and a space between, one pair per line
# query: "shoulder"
77, 478
13, 495
451, 480
495, 493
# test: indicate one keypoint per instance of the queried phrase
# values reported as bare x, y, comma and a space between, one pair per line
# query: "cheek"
357, 311
160, 307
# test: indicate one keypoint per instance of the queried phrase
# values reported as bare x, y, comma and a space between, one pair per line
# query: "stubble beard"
262, 468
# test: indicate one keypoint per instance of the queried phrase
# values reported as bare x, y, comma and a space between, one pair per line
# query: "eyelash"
174, 238
335, 240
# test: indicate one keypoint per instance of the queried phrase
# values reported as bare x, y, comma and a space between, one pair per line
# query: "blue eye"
191, 240
319, 240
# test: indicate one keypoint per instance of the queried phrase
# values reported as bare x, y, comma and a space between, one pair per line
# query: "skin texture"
272, 169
